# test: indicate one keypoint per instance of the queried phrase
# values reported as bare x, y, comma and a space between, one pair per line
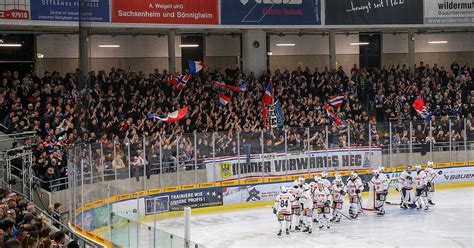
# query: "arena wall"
145, 53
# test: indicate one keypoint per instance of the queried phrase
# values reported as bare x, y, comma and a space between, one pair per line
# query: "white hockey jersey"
326, 183
306, 199
336, 192
430, 174
321, 196
420, 179
353, 185
296, 192
283, 203
380, 183
406, 179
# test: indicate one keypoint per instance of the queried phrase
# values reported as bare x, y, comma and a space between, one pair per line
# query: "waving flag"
268, 97
223, 100
336, 101
419, 106
334, 118
175, 116
195, 66
180, 80
240, 88
273, 115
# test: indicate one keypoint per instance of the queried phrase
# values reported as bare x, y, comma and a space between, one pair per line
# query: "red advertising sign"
15, 9
166, 11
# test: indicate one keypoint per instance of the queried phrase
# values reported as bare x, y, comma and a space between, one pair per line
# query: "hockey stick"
347, 217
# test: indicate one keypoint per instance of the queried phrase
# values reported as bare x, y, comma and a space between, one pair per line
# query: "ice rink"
448, 224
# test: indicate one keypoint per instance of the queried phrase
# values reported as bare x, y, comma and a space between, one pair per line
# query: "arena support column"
83, 57
411, 50
254, 51
332, 50
172, 52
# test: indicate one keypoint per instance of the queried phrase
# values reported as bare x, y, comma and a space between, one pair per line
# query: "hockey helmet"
430, 164
375, 171
284, 189
338, 176
338, 181
354, 175
317, 179
324, 174
381, 169
301, 180
409, 169
417, 167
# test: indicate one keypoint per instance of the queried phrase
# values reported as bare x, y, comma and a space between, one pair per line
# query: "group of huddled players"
321, 201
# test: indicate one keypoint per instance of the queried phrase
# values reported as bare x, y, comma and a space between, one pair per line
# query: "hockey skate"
403, 206
306, 229
287, 232
354, 216
381, 213
297, 228
310, 230
321, 227
431, 202
418, 207
315, 220
328, 226
279, 234
426, 207
338, 219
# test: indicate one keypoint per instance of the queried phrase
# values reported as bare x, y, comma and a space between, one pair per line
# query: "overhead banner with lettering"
281, 164
166, 11
68, 10
271, 12
372, 12
15, 9
449, 12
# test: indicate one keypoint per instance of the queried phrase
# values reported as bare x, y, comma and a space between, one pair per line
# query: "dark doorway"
17, 53
370, 50
192, 48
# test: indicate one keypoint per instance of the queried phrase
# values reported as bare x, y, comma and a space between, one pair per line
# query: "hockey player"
430, 176
282, 209
322, 196
338, 190
296, 205
406, 184
314, 186
380, 183
324, 179
354, 188
307, 202
421, 188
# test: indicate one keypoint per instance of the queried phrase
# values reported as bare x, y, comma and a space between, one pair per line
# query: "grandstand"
127, 113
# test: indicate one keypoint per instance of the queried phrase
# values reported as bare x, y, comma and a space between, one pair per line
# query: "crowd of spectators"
22, 226
110, 113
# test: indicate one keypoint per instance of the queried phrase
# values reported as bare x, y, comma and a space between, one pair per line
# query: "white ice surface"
448, 224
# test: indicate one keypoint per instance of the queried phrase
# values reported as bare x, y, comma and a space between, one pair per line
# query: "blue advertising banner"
271, 12
68, 10
177, 201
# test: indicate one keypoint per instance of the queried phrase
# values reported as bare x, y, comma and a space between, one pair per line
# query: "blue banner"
271, 12
68, 10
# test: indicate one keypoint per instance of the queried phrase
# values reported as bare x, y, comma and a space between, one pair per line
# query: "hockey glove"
397, 189
274, 211
409, 178
327, 203
428, 184
342, 192
357, 191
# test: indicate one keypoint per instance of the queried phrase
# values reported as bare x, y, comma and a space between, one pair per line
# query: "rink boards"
170, 201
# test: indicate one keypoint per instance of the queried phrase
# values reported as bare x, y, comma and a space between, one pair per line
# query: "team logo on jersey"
226, 170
